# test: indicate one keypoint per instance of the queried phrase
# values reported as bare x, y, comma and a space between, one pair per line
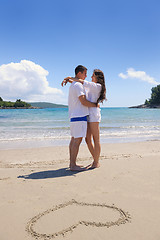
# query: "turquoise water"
47, 127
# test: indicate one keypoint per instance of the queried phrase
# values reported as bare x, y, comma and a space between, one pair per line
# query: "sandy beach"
40, 198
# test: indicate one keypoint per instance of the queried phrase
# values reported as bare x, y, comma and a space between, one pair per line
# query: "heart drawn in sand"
68, 216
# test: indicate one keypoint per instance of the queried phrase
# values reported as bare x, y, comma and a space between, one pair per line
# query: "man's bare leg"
73, 150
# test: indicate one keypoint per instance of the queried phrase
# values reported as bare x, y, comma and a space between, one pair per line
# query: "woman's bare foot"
93, 165
77, 168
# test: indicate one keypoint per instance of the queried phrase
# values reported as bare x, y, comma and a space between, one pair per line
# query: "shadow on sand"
62, 172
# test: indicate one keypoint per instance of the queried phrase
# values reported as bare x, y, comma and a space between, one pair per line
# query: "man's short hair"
80, 68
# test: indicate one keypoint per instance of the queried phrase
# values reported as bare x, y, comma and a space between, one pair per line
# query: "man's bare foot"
76, 168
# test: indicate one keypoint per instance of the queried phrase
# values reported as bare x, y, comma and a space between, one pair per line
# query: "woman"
95, 92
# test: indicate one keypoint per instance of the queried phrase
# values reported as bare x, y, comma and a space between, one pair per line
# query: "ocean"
23, 128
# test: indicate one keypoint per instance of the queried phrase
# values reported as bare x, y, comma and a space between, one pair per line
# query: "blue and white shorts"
78, 127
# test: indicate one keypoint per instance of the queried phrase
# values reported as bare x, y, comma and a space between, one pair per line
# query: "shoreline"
31, 144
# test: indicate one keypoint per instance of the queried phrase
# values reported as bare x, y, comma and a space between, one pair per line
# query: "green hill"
47, 105
154, 101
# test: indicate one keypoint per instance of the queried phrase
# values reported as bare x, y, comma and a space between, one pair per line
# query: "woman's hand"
66, 80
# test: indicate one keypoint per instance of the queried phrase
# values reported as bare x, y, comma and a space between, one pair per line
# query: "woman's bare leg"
89, 140
94, 127
93, 132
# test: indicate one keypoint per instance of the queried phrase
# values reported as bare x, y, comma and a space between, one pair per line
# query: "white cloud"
123, 76
27, 81
141, 75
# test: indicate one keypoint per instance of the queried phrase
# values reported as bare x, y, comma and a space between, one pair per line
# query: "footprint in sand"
65, 217
3, 179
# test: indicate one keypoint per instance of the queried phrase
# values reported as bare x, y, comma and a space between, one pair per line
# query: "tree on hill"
155, 96
17, 104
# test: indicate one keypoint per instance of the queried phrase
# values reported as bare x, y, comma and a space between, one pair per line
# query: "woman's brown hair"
101, 80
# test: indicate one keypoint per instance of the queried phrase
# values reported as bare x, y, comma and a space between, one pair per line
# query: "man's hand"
98, 105
85, 102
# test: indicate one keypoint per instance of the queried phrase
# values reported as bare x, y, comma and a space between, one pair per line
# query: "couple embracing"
84, 112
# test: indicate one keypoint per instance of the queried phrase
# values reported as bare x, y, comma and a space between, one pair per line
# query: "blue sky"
43, 41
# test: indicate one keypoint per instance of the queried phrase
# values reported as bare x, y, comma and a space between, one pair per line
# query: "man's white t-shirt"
92, 91
76, 109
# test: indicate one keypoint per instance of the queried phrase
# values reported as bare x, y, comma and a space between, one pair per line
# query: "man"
78, 112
